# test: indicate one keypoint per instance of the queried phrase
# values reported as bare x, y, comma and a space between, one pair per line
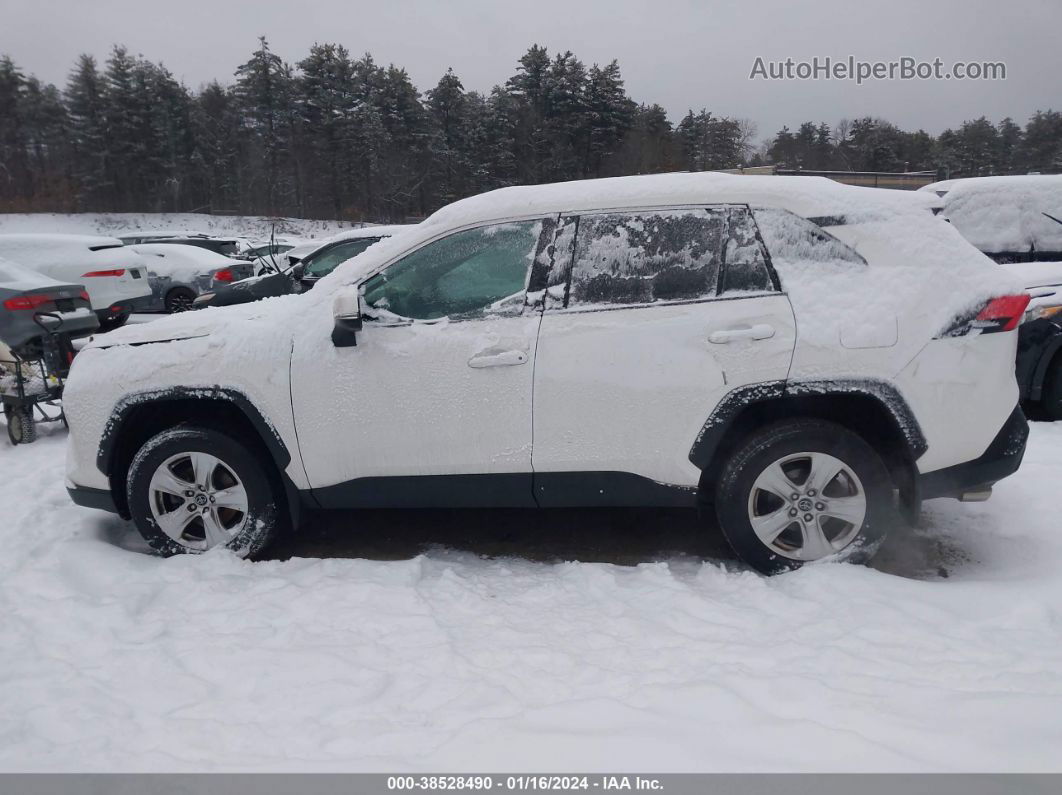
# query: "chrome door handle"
497, 359
761, 331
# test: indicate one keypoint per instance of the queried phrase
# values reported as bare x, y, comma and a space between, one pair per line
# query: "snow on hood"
239, 324
1001, 214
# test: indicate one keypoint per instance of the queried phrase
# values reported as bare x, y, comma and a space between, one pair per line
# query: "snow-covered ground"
114, 660
253, 226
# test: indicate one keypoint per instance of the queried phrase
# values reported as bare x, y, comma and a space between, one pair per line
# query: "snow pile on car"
182, 263
1008, 214
915, 259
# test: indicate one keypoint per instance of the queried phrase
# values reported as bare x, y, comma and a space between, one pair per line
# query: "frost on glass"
746, 266
469, 273
563, 249
792, 239
638, 259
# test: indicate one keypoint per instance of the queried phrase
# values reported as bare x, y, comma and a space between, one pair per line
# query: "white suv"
796, 353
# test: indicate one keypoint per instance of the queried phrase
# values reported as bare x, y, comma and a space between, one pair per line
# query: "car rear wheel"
179, 299
193, 489
801, 491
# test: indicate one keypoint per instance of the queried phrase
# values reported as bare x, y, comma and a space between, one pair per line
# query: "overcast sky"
680, 54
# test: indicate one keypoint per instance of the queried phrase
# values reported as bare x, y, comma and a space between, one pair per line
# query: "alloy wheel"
807, 506
197, 500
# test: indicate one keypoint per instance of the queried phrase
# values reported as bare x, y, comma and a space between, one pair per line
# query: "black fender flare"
122, 410
737, 400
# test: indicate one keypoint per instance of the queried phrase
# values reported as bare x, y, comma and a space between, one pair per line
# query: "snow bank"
114, 660
253, 226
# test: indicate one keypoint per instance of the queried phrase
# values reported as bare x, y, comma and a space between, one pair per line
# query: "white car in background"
179, 274
114, 276
791, 352
1009, 218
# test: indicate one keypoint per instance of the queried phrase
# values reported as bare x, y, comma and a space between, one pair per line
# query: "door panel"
627, 387
427, 398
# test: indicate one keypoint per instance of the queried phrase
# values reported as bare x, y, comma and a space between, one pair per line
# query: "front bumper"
1002, 458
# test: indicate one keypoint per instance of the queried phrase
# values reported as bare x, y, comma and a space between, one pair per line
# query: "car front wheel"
801, 491
192, 489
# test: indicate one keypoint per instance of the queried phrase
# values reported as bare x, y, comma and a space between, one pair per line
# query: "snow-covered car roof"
165, 256
805, 196
32, 241
939, 188
16, 277
1008, 214
1036, 274
160, 233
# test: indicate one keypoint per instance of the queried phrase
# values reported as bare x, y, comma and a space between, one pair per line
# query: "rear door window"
645, 257
745, 268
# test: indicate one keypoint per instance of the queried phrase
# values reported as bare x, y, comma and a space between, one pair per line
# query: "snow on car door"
651, 317
439, 385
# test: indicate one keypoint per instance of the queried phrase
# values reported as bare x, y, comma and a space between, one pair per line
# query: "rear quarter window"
791, 239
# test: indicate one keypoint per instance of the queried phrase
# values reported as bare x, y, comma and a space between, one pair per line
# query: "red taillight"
224, 275
84, 296
27, 301
1002, 314
116, 272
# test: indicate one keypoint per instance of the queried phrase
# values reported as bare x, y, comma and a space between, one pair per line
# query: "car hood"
230, 323
144, 334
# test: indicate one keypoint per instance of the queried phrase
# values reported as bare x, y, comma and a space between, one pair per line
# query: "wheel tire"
1051, 397
111, 323
179, 299
262, 520
734, 498
21, 426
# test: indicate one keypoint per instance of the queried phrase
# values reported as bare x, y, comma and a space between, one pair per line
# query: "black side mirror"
346, 313
298, 272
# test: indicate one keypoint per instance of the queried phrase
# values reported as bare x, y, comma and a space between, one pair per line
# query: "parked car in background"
267, 250
226, 246
302, 267
613, 342
1039, 360
179, 273
32, 304
114, 276
1011, 219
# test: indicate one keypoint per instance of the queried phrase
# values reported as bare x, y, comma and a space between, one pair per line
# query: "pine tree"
326, 100
85, 103
264, 90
